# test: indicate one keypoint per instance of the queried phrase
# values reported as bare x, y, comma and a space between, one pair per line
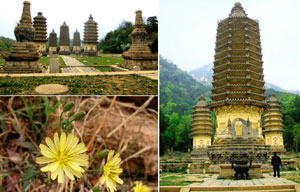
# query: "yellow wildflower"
112, 171
64, 155
139, 187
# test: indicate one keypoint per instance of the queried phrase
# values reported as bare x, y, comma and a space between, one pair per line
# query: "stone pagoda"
24, 56
40, 37
90, 37
238, 96
201, 130
139, 56
64, 40
52, 43
273, 127
76, 43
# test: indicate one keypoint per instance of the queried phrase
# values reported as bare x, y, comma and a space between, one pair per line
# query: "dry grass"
129, 128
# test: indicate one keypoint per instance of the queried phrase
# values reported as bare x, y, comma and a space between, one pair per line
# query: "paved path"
267, 180
70, 61
149, 74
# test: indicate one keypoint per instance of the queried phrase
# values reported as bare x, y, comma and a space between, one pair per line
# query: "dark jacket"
276, 161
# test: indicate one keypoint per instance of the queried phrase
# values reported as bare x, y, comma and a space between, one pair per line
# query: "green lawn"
291, 175
101, 60
46, 61
173, 180
83, 85
2, 61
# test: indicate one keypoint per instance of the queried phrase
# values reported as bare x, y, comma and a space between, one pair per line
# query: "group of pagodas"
32, 38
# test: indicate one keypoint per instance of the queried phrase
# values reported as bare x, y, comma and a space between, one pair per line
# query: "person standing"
276, 162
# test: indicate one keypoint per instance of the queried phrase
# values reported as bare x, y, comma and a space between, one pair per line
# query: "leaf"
21, 113
25, 144
28, 173
4, 162
95, 189
14, 157
101, 154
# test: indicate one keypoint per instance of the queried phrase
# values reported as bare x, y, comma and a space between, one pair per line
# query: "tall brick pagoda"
52, 43
76, 43
40, 37
90, 37
238, 95
139, 56
201, 129
64, 40
24, 56
273, 127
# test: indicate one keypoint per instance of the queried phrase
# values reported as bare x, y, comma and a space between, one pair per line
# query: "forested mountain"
204, 75
6, 43
118, 41
179, 92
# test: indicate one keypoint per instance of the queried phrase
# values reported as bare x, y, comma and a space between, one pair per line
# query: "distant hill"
179, 87
204, 75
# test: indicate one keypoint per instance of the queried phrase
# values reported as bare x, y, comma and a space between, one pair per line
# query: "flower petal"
42, 160
80, 148
46, 151
110, 154
61, 174
69, 141
51, 167
68, 172
51, 145
76, 173
62, 142
56, 140
75, 166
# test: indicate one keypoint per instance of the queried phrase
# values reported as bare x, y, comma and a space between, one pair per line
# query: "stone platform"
211, 183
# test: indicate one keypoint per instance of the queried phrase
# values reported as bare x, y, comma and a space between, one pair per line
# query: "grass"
83, 85
46, 61
103, 60
2, 61
292, 176
177, 180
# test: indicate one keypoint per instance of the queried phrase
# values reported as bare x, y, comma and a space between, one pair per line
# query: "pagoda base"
140, 60
24, 67
199, 154
229, 173
90, 53
64, 53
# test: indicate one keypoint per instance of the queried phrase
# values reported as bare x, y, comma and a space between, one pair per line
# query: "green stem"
95, 170
12, 184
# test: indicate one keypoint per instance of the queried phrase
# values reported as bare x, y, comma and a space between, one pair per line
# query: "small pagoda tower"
24, 56
238, 95
139, 56
90, 37
273, 127
201, 130
76, 43
40, 37
52, 43
64, 40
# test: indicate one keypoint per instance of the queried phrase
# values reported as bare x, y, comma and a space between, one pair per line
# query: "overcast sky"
187, 34
107, 13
